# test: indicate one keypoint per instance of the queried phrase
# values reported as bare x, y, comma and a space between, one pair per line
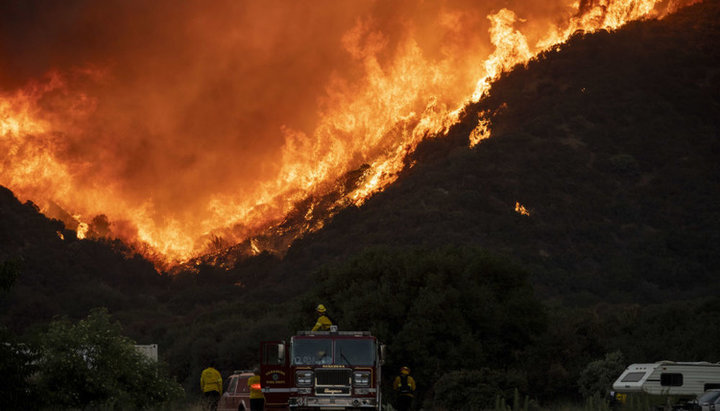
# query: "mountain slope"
611, 143
57, 274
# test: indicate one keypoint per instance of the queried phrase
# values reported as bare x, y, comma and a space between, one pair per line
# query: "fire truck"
322, 370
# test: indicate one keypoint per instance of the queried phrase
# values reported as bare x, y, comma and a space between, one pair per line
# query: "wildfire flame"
481, 131
177, 162
520, 209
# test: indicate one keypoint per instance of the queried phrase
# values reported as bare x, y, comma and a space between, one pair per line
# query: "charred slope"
612, 145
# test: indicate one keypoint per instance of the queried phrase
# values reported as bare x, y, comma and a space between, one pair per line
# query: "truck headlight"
304, 378
361, 378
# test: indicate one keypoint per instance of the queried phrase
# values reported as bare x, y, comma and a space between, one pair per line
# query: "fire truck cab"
322, 370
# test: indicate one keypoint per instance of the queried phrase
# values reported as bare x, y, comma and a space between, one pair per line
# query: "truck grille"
333, 376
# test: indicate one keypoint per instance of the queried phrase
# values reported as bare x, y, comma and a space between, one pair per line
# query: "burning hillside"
186, 129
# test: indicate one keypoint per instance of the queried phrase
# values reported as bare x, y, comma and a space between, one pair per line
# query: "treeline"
458, 316
471, 328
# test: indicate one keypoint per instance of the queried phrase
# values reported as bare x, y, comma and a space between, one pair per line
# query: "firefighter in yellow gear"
404, 384
257, 398
211, 385
323, 322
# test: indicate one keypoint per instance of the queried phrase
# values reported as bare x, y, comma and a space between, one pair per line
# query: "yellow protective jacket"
409, 390
210, 380
323, 324
255, 389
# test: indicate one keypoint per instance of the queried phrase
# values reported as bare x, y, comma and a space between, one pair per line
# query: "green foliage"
641, 402
596, 402
598, 376
436, 309
16, 367
478, 390
517, 405
227, 332
91, 364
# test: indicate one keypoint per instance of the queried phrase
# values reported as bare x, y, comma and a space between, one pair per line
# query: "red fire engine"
322, 370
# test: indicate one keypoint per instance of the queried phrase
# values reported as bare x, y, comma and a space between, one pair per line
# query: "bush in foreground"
91, 364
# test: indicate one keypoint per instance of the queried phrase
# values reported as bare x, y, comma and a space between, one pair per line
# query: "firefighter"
323, 358
211, 386
257, 398
323, 322
404, 384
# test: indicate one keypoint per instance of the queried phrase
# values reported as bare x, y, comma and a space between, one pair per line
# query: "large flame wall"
176, 121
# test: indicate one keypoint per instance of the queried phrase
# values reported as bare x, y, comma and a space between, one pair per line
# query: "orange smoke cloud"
178, 121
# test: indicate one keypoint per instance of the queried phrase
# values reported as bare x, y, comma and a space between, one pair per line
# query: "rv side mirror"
382, 354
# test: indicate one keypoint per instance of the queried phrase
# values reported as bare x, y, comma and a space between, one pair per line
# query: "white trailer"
681, 379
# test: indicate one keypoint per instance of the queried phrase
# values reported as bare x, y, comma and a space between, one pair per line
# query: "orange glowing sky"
183, 120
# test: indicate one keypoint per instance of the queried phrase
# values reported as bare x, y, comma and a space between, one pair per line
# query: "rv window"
633, 377
711, 386
671, 380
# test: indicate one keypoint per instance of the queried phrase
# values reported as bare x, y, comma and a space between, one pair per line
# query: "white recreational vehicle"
683, 379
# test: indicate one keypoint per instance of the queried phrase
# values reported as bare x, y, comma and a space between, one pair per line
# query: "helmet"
405, 370
320, 308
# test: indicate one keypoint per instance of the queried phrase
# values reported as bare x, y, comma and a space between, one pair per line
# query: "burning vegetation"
184, 130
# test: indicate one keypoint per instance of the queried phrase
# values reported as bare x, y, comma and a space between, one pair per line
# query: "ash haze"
178, 119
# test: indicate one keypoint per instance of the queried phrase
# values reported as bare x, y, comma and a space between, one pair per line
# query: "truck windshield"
312, 351
320, 351
354, 352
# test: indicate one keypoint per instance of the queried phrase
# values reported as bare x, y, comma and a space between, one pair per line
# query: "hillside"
611, 143
57, 274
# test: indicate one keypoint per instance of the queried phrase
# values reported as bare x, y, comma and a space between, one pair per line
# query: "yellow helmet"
405, 370
320, 308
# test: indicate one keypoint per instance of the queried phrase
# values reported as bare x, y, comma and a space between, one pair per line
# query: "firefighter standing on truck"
323, 322
404, 384
211, 385
257, 398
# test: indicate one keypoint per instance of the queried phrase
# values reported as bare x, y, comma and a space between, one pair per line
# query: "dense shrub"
91, 364
598, 376
475, 389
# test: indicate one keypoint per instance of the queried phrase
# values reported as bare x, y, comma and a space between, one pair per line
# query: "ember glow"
520, 209
185, 127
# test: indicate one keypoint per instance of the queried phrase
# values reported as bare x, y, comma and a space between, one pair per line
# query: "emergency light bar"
351, 333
